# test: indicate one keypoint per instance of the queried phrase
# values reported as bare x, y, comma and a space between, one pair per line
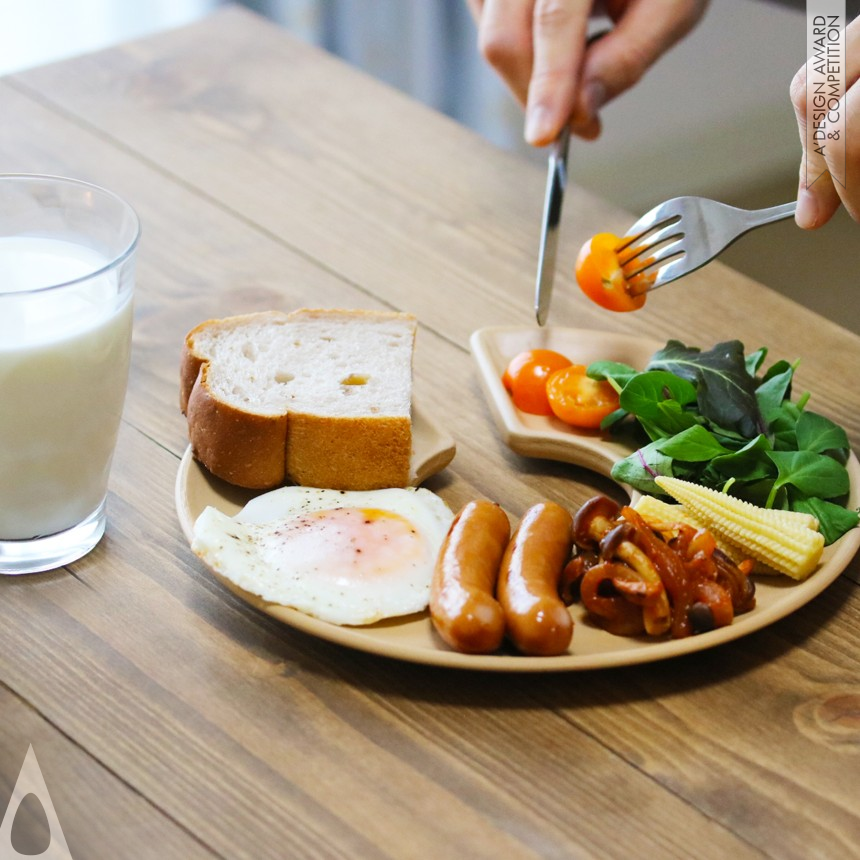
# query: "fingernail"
538, 129
806, 214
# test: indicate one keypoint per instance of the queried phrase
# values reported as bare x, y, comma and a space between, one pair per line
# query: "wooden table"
170, 719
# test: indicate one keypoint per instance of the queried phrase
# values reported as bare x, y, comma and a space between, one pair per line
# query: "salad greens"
719, 419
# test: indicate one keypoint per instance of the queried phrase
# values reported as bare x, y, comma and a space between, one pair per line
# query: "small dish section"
548, 437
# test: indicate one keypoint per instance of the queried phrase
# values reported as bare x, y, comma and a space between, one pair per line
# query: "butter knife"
556, 181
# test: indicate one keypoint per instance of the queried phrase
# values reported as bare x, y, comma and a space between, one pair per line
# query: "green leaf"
641, 467
729, 438
777, 369
755, 359
782, 425
786, 440
819, 434
674, 419
761, 493
613, 418
812, 474
644, 392
771, 393
750, 463
833, 519
726, 391
615, 370
693, 445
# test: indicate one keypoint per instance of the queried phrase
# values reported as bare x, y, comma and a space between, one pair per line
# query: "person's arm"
818, 201
539, 48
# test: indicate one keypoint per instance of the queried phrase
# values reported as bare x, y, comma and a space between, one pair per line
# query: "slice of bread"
321, 398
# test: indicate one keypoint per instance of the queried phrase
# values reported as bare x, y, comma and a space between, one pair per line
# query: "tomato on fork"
600, 275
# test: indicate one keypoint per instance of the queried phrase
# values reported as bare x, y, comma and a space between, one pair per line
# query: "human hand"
539, 48
818, 201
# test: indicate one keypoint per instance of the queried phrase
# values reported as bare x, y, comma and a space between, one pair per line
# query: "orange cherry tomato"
526, 375
599, 275
579, 400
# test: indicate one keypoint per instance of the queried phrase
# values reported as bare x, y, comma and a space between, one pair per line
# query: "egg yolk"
363, 543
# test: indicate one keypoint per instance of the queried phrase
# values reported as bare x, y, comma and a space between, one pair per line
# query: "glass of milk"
67, 253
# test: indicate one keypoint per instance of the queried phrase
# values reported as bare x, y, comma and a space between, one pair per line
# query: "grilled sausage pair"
487, 584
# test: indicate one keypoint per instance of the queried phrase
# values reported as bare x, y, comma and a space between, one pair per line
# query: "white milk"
64, 356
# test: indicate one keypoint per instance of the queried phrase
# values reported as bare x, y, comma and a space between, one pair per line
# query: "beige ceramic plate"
412, 638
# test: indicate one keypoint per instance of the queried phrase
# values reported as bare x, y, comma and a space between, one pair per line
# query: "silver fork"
681, 235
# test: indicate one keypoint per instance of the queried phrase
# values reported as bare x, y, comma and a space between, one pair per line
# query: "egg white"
347, 557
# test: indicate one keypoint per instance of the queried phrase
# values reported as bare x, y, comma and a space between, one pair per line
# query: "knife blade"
556, 181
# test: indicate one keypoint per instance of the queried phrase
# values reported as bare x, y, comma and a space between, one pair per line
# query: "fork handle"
758, 217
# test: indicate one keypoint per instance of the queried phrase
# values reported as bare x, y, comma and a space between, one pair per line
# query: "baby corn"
786, 541
656, 512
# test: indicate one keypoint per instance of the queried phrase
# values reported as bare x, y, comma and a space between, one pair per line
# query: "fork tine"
663, 255
657, 275
653, 219
650, 239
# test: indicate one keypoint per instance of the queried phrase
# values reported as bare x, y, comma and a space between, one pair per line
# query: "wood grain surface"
172, 720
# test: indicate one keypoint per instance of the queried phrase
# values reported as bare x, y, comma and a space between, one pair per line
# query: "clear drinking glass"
67, 253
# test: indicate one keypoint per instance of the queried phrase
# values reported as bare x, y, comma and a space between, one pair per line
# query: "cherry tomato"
599, 275
526, 375
579, 400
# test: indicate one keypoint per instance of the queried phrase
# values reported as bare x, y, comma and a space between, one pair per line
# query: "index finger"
558, 33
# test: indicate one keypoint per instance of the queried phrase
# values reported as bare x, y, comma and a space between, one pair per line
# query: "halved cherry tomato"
579, 400
599, 275
526, 375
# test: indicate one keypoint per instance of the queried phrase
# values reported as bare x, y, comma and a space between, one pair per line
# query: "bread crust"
238, 446
349, 453
264, 451
189, 370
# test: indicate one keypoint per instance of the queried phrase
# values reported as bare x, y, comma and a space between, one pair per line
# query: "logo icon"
31, 781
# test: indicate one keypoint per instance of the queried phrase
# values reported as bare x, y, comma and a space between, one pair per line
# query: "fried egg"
347, 557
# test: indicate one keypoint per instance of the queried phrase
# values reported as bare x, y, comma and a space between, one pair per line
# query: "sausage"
537, 620
462, 606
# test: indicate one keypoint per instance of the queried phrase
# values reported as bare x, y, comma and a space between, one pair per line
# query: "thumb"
817, 196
